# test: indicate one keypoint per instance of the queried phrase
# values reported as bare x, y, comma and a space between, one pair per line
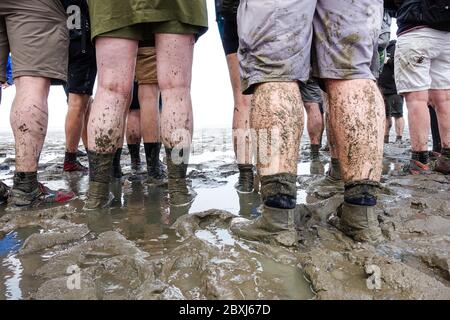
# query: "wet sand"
141, 248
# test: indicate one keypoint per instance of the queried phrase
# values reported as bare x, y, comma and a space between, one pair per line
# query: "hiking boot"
19, 199
4, 192
415, 167
157, 175
274, 226
358, 222
99, 196
246, 179
443, 165
74, 167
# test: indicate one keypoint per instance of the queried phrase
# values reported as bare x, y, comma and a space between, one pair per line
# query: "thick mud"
142, 248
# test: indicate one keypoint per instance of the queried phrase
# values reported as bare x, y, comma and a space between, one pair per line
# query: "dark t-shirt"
387, 78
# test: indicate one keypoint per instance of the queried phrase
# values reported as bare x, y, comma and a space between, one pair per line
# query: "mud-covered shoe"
19, 199
246, 179
443, 165
415, 167
358, 222
81, 153
316, 167
74, 167
99, 196
4, 192
274, 226
157, 175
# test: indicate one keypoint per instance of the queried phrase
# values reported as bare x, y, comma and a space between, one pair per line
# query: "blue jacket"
9, 75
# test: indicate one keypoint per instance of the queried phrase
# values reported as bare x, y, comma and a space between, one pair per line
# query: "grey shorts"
311, 92
280, 40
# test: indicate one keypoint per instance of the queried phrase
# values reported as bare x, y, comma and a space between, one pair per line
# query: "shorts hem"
248, 86
81, 92
148, 82
43, 74
409, 90
344, 74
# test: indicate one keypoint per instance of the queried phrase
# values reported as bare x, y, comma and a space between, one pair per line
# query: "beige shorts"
422, 60
146, 66
36, 34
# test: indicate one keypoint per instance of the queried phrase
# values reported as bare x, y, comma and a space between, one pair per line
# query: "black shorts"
82, 67
230, 39
135, 102
394, 105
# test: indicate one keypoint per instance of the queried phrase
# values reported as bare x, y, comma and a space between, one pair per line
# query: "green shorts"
140, 19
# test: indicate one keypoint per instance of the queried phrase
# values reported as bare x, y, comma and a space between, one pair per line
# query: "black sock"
386, 139
315, 148
279, 190
152, 151
70, 157
100, 166
135, 153
362, 193
445, 152
117, 156
25, 181
421, 156
399, 138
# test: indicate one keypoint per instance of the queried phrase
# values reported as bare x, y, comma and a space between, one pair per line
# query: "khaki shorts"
140, 19
36, 34
278, 40
146, 66
422, 60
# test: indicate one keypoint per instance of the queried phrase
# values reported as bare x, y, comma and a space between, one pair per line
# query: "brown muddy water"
142, 248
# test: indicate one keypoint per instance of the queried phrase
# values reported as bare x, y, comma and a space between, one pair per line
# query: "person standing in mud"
80, 84
422, 73
36, 35
226, 12
117, 27
276, 46
313, 101
392, 100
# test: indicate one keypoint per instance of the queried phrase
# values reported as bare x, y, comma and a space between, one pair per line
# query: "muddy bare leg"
106, 121
357, 106
441, 100
174, 55
315, 127
241, 128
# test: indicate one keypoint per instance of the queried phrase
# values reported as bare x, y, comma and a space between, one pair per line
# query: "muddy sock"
362, 193
279, 190
315, 148
116, 169
386, 139
25, 181
335, 169
134, 153
445, 152
421, 156
100, 166
70, 157
152, 151
399, 138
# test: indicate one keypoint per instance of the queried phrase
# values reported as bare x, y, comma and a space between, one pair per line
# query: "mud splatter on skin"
277, 106
358, 109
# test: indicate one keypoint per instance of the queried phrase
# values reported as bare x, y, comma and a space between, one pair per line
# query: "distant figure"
393, 101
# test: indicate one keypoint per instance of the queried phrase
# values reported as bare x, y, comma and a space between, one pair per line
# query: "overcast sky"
211, 89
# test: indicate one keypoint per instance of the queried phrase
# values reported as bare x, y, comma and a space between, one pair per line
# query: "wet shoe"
99, 196
317, 167
157, 176
246, 179
415, 167
4, 192
74, 167
443, 165
358, 222
274, 226
19, 199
